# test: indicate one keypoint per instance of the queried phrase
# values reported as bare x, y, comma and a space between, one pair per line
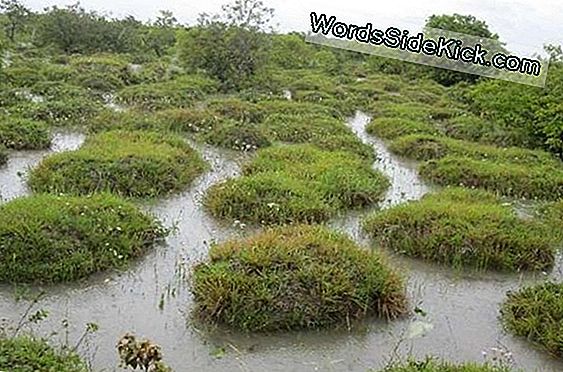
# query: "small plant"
140, 354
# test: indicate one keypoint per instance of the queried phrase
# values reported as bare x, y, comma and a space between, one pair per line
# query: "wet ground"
151, 298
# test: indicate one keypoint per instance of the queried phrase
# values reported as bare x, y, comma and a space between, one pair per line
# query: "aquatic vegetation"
135, 164
23, 134
168, 94
464, 231
391, 127
144, 354
47, 238
536, 312
294, 277
24, 353
324, 132
509, 179
297, 183
425, 147
434, 365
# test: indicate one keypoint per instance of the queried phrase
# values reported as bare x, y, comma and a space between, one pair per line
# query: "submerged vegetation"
536, 313
464, 229
297, 183
294, 277
48, 238
136, 164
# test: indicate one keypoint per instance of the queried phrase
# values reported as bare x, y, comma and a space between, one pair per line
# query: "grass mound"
509, 179
25, 354
426, 147
433, 365
296, 183
464, 229
325, 132
294, 277
536, 312
390, 128
298, 108
136, 164
47, 238
236, 135
236, 109
23, 134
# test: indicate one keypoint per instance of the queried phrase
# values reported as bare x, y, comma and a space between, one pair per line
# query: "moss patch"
390, 128
516, 180
464, 229
47, 238
536, 312
23, 134
293, 183
23, 354
136, 164
294, 277
425, 147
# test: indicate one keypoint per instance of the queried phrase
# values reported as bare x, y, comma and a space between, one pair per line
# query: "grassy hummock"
536, 312
391, 128
505, 178
24, 134
26, 354
135, 164
294, 277
47, 238
297, 183
434, 365
464, 228
426, 147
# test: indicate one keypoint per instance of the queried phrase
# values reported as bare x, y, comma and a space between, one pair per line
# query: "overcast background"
524, 25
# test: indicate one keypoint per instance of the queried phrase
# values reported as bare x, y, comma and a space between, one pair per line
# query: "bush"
47, 238
294, 277
390, 128
323, 131
509, 179
536, 313
463, 228
23, 354
22, 134
425, 147
136, 164
296, 183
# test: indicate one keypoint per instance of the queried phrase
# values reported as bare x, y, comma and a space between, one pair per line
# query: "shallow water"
152, 300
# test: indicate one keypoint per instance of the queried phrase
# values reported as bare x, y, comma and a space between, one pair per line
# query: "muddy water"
151, 299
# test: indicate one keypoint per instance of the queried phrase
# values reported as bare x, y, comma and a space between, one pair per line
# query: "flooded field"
457, 318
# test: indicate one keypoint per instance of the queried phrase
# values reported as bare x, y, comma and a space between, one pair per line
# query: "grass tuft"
390, 128
24, 134
294, 277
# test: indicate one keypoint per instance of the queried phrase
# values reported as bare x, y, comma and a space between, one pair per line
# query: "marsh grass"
295, 277
505, 178
133, 164
464, 228
297, 183
426, 147
434, 365
24, 353
325, 132
23, 134
236, 109
394, 127
536, 312
299, 108
47, 238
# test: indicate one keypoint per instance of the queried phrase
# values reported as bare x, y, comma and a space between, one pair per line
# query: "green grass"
504, 178
294, 277
414, 111
47, 238
325, 132
134, 164
236, 135
298, 108
463, 228
296, 183
23, 134
391, 128
434, 365
536, 313
426, 147
26, 354
236, 109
